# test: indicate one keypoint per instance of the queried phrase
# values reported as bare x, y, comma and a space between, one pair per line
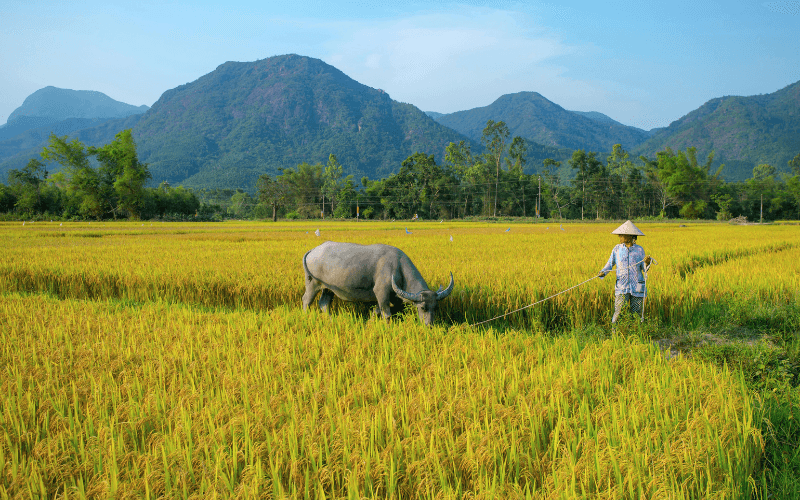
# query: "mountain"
597, 116
742, 131
58, 111
247, 118
244, 119
601, 118
60, 104
530, 115
15, 152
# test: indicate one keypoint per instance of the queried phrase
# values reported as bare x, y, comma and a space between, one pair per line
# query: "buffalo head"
426, 301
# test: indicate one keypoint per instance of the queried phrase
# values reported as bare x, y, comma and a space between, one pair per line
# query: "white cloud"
451, 61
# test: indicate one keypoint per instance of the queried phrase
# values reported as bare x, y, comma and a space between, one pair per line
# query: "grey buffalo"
368, 273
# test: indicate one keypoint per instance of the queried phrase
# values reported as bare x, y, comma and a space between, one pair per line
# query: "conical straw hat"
628, 228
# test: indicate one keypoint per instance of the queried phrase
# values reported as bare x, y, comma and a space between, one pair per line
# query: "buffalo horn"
413, 297
444, 293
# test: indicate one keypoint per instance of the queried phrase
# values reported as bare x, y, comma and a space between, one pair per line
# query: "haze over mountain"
60, 104
532, 116
51, 105
743, 131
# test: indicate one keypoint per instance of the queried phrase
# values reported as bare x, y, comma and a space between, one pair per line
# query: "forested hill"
743, 131
530, 115
59, 110
248, 118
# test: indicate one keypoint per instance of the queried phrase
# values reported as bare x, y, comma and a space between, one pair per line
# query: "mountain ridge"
247, 118
60, 104
534, 117
744, 131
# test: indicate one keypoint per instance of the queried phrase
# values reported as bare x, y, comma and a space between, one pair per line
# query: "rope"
567, 290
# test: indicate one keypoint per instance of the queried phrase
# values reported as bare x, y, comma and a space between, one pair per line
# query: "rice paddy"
173, 361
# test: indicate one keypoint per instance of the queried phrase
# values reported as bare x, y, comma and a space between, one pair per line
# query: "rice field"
173, 361
257, 266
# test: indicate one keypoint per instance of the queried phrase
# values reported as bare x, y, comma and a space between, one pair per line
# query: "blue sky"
642, 63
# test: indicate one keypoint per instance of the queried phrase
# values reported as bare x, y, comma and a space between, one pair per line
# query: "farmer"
631, 268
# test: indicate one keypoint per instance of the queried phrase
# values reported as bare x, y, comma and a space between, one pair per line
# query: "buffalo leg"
325, 300
383, 302
310, 295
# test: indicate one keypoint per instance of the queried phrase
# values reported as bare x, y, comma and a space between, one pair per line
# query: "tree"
344, 198
459, 156
82, 181
331, 182
626, 182
272, 193
659, 187
28, 182
304, 185
241, 204
685, 181
515, 164
494, 138
120, 167
794, 163
552, 183
588, 167
763, 172
7, 199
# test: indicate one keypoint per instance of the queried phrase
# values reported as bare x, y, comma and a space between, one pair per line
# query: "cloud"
448, 61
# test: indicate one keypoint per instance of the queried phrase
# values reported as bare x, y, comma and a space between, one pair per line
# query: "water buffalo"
368, 273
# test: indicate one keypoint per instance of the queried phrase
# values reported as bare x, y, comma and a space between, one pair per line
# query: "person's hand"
647, 261
601, 274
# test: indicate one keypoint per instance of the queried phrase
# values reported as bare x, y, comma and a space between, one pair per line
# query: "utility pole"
762, 209
583, 197
539, 201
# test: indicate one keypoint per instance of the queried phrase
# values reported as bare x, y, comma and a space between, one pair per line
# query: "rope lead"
568, 289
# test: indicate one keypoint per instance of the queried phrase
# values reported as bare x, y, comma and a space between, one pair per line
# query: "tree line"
109, 183
674, 184
95, 183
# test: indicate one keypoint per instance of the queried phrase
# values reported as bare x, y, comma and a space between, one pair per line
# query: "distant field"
173, 360
258, 265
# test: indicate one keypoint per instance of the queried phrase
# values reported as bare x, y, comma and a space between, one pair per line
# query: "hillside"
244, 119
530, 115
601, 118
743, 131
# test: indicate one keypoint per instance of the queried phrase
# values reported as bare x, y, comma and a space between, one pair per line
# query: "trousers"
620, 301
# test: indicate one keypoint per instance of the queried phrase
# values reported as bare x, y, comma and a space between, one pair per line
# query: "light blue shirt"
630, 269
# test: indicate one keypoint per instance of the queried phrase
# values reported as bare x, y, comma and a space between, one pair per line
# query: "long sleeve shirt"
630, 269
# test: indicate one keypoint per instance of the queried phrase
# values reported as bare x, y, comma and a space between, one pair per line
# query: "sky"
642, 63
